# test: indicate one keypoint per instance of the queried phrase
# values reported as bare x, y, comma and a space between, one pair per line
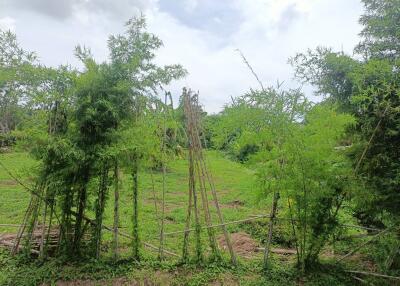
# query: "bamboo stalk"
359, 279
23, 226
185, 251
364, 244
370, 140
11, 225
44, 215
116, 211
270, 229
154, 198
219, 213
201, 176
126, 235
219, 225
210, 180
163, 147
135, 239
374, 274
192, 181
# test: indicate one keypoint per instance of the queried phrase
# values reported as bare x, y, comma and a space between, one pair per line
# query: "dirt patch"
145, 277
242, 243
225, 280
235, 204
5, 150
114, 282
8, 182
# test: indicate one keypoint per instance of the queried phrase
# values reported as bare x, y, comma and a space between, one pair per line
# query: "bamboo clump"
199, 179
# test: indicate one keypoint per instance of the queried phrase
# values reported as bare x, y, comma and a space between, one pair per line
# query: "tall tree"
369, 89
16, 67
381, 29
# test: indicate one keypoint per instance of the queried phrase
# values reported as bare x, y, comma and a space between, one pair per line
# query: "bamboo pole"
201, 175
44, 215
153, 190
374, 274
370, 140
219, 225
211, 183
364, 244
163, 147
123, 234
21, 230
135, 222
192, 176
270, 229
185, 250
116, 211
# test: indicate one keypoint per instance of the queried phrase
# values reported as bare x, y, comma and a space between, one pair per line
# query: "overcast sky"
202, 35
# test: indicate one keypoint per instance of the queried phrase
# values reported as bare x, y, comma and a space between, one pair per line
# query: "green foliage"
16, 67
81, 121
254, 122
377, 99
328, 71
79, 124
369, 89
380, 30
312, 178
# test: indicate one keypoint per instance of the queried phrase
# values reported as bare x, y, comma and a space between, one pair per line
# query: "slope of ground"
238, 198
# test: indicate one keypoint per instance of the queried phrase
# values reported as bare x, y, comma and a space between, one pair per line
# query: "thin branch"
251, 69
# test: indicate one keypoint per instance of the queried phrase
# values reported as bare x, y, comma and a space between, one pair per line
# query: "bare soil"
243, 244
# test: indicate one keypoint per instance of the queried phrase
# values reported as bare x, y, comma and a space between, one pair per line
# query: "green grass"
234, 184
238, 197
14, 199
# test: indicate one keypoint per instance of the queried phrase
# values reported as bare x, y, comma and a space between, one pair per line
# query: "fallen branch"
218, 225
11, 244
92, 222
359, 279
144, 243
364, 244
374, 274
361, 227
279, 250
10, 225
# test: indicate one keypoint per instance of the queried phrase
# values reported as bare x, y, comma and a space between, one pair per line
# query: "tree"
376, 148
313, 179
91, 121
329, 72
381, 30
369, 89
251, 123
16, 67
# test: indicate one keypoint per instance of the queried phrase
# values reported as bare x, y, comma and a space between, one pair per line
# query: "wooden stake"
163, 147
41, 248
270, 230
135, 221
116, 211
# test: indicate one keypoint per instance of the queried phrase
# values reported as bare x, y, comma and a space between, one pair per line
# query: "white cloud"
190, 5
64, 9
268, 33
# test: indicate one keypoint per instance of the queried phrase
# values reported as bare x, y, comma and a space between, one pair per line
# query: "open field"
239, 199
235, 186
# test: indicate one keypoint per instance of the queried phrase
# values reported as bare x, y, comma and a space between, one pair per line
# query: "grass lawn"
238, 197
235, 185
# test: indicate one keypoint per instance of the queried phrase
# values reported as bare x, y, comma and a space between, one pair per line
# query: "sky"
202, 35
